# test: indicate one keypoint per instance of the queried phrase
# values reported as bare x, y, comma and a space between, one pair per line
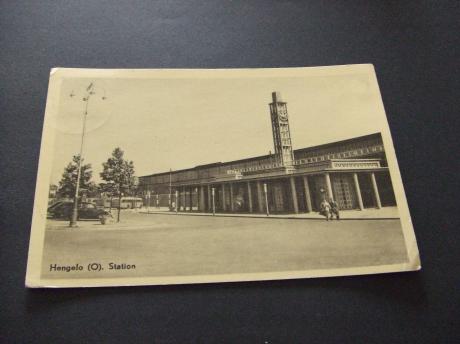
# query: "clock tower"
281, 132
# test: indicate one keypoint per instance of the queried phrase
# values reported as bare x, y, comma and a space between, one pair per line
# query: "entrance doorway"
316, 183
343, 190
277, 196
367, 192
387, 196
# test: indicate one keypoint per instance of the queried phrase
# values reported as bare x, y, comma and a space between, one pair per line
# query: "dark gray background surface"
414, 47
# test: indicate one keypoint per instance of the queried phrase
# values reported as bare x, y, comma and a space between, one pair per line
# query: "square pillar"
184, 206
249, 197
202, 203
224, 205
295, 205
328, 186
177, 200
191, 198
209, 198
260, 197
376, 191
187, 199
231, 198
358, 191
174, 195
184, 199
306, 189
213, 191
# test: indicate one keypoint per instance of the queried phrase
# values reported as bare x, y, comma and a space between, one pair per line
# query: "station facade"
353, 172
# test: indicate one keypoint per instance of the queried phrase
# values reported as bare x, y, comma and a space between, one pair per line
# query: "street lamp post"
89, 92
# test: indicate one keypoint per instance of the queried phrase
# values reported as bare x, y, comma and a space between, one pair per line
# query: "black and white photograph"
193, 176
264, 171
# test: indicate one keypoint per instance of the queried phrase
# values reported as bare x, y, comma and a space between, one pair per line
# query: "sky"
164, 123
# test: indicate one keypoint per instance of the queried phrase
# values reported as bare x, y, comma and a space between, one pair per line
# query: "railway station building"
353, 172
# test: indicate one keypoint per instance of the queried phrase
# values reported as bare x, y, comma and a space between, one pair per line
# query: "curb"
268, 217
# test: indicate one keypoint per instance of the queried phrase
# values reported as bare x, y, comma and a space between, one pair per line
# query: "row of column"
359, 197
260, 194
185, 193
181, 196
375, 190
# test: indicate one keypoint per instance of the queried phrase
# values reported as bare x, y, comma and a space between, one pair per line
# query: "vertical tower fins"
281, 132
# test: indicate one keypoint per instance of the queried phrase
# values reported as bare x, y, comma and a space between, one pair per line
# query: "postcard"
151, 177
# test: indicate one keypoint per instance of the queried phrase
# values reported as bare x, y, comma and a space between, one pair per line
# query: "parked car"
86, 210
55, 204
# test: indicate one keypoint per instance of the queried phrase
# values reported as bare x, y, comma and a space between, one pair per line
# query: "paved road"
167, 245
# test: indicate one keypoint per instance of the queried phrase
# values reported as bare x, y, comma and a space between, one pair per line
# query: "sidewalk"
366, 214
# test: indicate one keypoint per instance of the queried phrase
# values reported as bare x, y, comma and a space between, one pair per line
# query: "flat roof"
262, 157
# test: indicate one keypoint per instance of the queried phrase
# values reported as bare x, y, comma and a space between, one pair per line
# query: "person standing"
325, 209
334, 209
